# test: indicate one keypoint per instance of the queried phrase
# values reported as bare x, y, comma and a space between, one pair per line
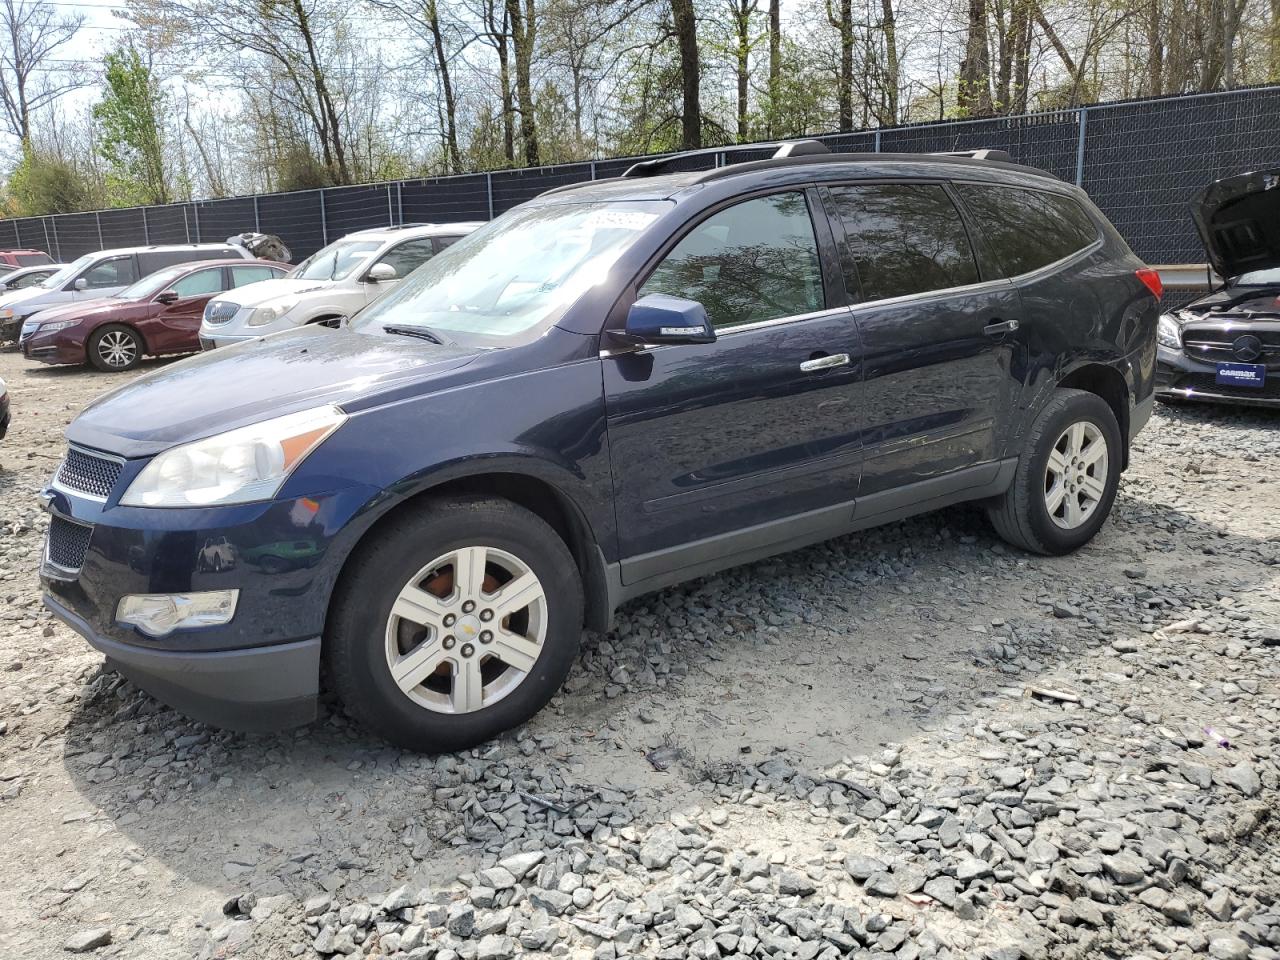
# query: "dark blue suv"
612, 388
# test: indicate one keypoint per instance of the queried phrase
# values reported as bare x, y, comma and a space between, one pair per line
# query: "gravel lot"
911, 742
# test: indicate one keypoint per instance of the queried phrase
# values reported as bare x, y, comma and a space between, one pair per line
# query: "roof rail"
785, 148
986, 154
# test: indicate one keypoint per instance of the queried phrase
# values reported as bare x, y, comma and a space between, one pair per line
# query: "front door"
941, 348
176, 327
719, 449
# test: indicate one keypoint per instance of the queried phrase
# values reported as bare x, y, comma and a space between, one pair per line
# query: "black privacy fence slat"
444, 200
1142, 162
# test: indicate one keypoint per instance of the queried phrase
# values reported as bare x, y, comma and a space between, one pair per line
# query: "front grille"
1207, 383
68, 542
220, 311
1216, 344
88, 473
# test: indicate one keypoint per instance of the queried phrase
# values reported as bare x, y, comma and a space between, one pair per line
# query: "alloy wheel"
466, 630
117, 349
1075, 479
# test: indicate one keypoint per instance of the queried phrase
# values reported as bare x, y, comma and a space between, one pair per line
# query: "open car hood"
1239, 222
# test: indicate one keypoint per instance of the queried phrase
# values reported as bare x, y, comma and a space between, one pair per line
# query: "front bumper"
1178, 377
54, 348
254, 689
211, 338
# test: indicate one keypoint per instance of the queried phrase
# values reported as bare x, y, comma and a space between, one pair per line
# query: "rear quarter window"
1027, 229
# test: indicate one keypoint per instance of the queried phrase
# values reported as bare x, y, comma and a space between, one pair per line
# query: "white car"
335, 282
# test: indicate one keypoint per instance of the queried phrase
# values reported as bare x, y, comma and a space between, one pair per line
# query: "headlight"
52, 326
6, 313
239, 466
1169, 332
270, 313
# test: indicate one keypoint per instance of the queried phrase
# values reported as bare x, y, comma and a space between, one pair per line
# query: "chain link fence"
1141, 161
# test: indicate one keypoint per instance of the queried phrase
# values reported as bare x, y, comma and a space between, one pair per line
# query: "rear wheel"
1066, 479
460, 621
115, 348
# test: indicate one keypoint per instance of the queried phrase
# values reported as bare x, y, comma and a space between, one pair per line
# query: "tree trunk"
974, 94
775, 60
330, 131
431, 14
742, 10
523, 29
686, 27
892, 78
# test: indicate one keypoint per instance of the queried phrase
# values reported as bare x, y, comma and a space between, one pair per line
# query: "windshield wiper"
422, 333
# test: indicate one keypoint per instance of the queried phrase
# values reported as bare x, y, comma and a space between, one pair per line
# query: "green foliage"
41, 184
129, 117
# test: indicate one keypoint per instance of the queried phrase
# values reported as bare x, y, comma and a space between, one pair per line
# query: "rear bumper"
1178, 377
253, 689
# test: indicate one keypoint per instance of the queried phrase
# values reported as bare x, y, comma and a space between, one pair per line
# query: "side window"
199, 284
245, 275
755, 261
904, 238
116, 272
442, 242
408, 256
30, 280
1027, 229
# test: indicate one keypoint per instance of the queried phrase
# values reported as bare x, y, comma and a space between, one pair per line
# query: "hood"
16, 298
1239, 222
264, 291
83, 309
256, 380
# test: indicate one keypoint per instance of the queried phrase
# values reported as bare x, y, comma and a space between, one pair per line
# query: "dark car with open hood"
614, 387
1225, 347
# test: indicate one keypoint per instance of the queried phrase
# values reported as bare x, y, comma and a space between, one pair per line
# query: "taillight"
1151, 280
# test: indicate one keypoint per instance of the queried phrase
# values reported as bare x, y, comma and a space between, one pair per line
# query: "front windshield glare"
66, 273
336, 261
151, 285
1260, 278
519, 271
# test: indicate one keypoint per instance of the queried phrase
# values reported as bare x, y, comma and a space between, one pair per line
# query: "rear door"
939, 338
740, 445
176, 326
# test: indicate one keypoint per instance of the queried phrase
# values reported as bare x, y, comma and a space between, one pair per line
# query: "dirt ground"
903, 656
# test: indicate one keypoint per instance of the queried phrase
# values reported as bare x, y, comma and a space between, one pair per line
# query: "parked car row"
612, 388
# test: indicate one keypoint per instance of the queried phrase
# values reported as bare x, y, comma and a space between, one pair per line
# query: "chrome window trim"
80, 493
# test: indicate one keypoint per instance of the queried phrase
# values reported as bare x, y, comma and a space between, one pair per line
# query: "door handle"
823, 363
1000, 327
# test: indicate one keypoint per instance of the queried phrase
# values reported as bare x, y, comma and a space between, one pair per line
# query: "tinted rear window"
33, 259
1027, 229
904, 238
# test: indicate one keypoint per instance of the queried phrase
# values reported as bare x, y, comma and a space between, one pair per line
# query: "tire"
429, 549
1022, 515
114, 348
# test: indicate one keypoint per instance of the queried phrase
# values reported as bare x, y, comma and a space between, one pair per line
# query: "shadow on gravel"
819, 653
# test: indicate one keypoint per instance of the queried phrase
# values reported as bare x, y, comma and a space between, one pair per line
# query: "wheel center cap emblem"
469, 626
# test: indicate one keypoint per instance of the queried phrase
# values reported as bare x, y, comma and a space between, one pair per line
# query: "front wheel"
115, 348
1066, 479
459, 621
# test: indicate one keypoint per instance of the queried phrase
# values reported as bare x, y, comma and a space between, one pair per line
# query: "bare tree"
33, 32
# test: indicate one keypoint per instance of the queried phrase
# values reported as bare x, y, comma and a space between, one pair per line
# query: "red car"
159, 314
23, 258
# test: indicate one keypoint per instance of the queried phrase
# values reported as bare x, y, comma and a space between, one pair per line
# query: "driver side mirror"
381, 272
81, 284
659, 319
167, 297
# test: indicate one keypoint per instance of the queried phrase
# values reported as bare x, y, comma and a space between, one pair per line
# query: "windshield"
517, 272
149, 286
337, 261
1259, 278
64, 275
